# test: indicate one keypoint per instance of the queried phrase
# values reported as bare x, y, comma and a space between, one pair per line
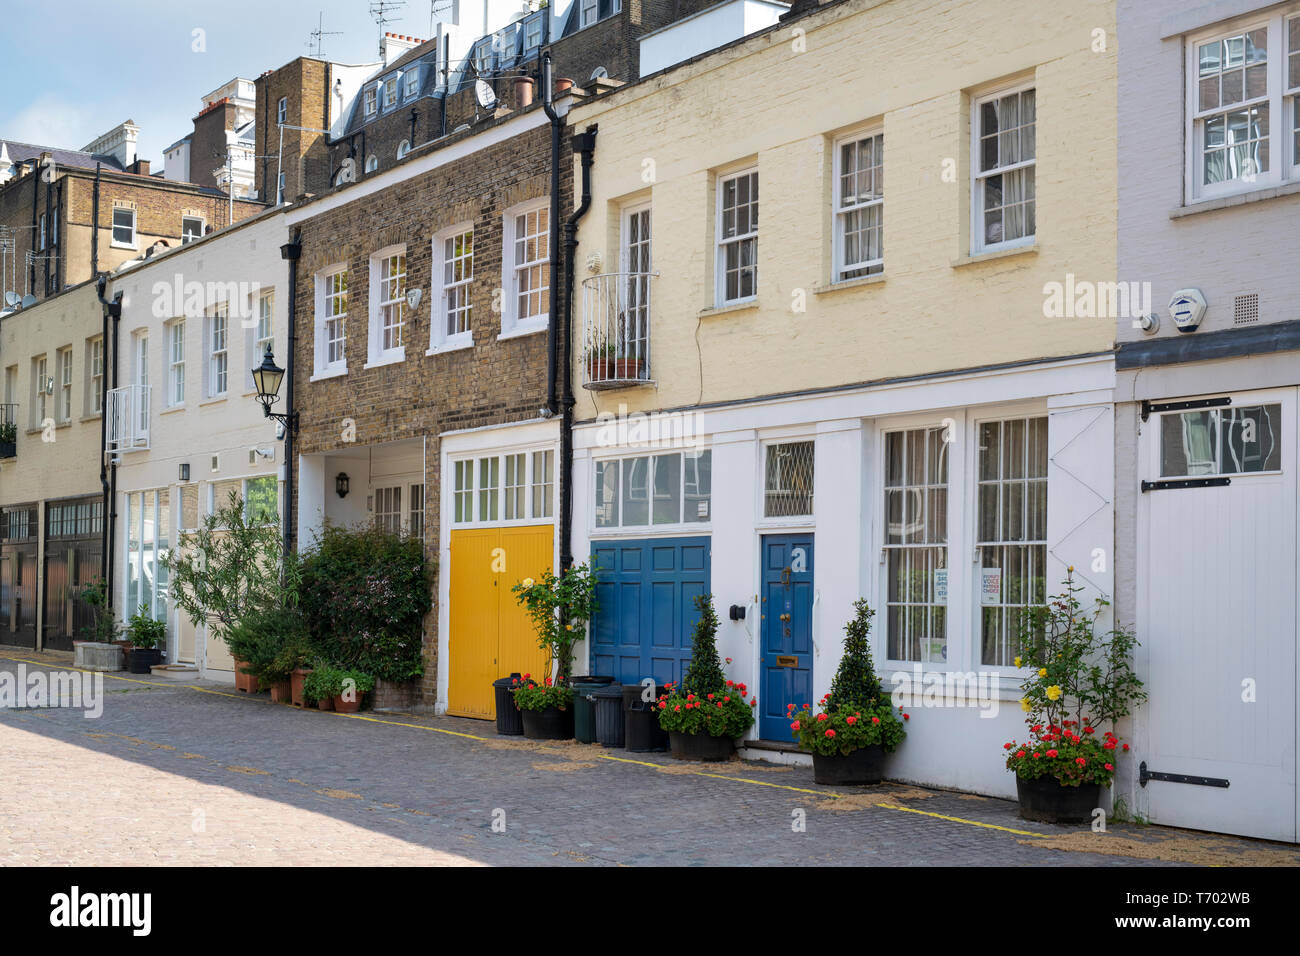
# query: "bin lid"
502, 682
609, 692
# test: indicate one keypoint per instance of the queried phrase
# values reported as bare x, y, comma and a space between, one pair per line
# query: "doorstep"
774, 751
175, 671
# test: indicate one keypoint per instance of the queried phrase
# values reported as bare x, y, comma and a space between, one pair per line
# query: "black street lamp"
267, 378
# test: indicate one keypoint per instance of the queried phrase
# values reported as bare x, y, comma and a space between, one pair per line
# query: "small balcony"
616, 330
128, 419
8, 431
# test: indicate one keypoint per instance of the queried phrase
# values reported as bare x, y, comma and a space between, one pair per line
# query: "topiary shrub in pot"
855, 725
145, 634
1080, 681
709, 712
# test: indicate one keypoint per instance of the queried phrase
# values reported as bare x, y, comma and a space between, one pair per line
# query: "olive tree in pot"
855, 724
1081, 681
145, 635
709, 712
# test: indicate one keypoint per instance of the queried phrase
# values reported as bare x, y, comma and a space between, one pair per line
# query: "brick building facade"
305, 85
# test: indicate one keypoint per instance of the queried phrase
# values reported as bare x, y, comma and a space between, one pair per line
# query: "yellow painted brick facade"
778, 100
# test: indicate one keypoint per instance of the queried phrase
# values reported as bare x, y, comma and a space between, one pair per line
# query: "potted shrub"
272, 643
855, 725
103, 628
352, 689
706, 715
145, 634
321, 685
546, 708
1082, 681
560, 608
8, 439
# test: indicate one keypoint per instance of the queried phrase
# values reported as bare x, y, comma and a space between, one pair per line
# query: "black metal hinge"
1185, 483
1148, 407
1145, 776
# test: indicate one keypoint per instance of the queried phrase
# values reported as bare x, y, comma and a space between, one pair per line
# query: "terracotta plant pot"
245, 683
296, 679
864, 766
563, 83
325, 703
281, 692
700, 747
348, 706
1046, 801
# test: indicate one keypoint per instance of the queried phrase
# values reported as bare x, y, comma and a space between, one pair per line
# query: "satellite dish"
486, 98
29, 301
12, 299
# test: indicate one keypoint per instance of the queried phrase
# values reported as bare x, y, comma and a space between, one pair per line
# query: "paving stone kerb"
401, 789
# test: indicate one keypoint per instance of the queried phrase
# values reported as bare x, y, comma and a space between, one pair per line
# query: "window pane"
698, 485
1188, 444
789, 480
1251, 439
916, 505
607, 476
488, 483
636, 491
668, 489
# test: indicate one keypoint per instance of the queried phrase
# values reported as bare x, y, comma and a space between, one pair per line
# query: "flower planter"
344, 706
325, 703
549, 724
245, 683
296, 679
700, 747
281, 691
863, 766
604, 369
8, 449
142, 659
1046, 801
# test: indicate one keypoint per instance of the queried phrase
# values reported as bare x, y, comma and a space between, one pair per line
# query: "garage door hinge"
1185, 483
1148, 406
1145, 775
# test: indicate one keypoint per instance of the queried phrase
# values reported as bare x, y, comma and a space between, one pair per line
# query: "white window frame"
593, 7
324, 368
95, 366
140, 350
372, 163
840, 213
533, 34
768, 441
175, 363
511, 323
411, 82
621, 528
282, 111
113, 227
371, 100
531, 513
42, 228
264, 324
403, 148
217, 332
440, 339
1284, 157
185, 241
390, 91
63, 404
721, 244
378, 354
977, 240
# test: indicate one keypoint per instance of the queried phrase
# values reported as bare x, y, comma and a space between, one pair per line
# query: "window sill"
1236, 199
531, 327
173, 409
123, 245
214, 400
328, 373
390, 359
92, 417
446, 347
1028, 249
744, 306
849, 284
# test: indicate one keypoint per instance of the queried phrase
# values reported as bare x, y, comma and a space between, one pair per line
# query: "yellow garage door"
491, 636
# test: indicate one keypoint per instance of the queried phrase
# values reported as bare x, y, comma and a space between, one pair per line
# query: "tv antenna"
318, 35
380, 12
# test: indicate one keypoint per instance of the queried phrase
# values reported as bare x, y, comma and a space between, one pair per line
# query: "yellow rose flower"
1017, 662
1054, 692
1042, 672
527, 582
1025, 705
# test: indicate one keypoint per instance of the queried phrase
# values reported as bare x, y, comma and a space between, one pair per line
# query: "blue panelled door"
646, 590
786, 625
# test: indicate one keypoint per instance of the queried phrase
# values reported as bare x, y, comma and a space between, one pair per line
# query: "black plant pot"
143, 658
700, 747
863, 766
8, 449
1046, 801
549, 724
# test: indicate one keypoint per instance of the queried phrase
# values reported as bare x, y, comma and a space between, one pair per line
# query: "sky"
74, 69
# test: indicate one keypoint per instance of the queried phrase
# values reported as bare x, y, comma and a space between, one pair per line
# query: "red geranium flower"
851, 720
822, 717
1126, 748
907, 716
875, 720
1006, 746
830, 733
1020, 753
1080, 761
795, 725
1051, 753
1109, 766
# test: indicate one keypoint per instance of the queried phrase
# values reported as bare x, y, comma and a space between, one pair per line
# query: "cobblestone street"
191, 773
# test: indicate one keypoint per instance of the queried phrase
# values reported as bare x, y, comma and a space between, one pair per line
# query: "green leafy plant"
856, 713
273, 641
354, 681
530, 695
364, 593
143, 631
8, 432
1082, 680
322, 683
230, 567
103, 627
704, 672
560, 608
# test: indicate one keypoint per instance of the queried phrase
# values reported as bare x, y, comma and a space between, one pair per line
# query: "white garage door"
1217, 613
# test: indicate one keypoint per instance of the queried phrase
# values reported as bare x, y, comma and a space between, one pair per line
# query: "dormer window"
372, 101
533, 34
390, 92
412, 83
593, 11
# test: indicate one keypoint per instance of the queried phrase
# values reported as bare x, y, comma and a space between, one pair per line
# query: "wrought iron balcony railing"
616, 329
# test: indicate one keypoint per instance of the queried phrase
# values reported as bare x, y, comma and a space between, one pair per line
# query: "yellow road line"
642, 763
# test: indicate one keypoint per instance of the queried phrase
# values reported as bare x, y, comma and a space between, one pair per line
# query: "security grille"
788, 489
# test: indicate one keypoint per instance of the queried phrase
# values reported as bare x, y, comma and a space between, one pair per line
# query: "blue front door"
646, 590
786, 625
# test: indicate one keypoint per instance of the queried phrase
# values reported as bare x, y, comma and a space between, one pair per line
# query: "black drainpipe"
290, 251
107, 471
584, 143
